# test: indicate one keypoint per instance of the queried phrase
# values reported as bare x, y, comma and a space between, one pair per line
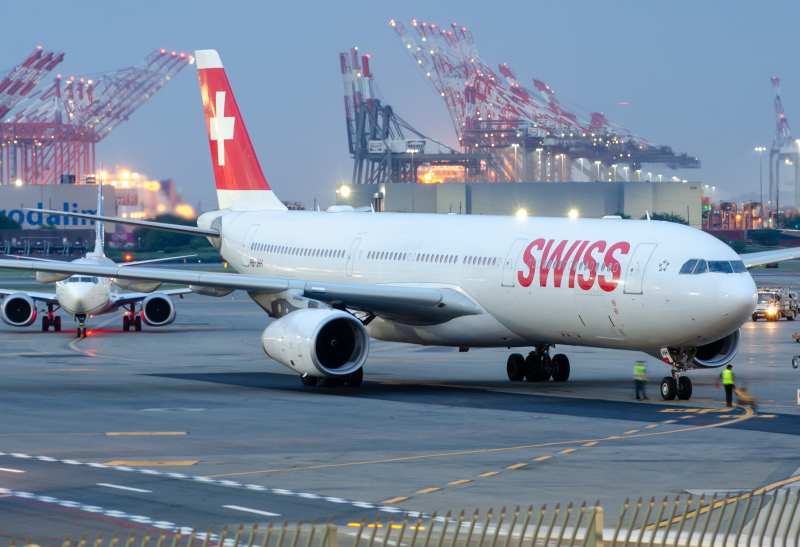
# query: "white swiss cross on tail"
221, 128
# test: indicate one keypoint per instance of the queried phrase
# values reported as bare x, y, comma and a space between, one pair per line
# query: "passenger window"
720, 266
689, 266
701, 267
738, 266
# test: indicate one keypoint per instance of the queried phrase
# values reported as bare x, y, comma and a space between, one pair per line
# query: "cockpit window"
701, 267
95, 280
720, 266
738, 266
689, 266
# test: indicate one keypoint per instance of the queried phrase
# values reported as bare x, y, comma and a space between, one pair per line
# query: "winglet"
237, 173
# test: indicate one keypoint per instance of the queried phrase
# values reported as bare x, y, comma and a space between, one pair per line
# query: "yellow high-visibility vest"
727, 377
639, 372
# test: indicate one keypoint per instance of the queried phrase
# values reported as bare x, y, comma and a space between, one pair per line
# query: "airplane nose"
736, 297
81, 298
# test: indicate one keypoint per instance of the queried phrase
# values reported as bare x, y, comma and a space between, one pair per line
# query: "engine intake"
719, 353
158, 310
318, 342
18, 310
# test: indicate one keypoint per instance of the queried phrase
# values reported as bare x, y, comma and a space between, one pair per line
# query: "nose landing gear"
81, 318
676, 385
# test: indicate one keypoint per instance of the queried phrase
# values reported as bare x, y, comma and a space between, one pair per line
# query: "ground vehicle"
775, 303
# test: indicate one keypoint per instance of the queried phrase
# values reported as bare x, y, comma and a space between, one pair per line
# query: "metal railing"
719, 520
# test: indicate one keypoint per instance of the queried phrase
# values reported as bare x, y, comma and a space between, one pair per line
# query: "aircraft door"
246, 245
351, 255
636, 267
509, 266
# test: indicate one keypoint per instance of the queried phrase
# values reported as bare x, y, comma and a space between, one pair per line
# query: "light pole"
614, 167
516, 170
649, 176
712, 191
597, 163
659, 178
626, 173
760, 149
412, 177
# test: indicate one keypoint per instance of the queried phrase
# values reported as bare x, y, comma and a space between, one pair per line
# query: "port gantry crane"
52, 131
495, 115
784, 151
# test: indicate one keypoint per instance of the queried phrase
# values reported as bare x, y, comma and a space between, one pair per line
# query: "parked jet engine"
158, 310
719, 353
18, 310
318, 342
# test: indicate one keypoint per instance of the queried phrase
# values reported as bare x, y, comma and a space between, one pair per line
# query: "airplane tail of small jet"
237, 173
99, 235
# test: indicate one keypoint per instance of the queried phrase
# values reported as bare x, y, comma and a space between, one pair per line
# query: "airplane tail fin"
237, 173
99, 234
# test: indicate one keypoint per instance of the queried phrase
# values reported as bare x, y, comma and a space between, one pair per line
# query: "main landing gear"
538, 366
50, 320
131, 319
351, 380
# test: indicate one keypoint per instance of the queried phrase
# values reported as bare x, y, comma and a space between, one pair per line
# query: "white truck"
774, 304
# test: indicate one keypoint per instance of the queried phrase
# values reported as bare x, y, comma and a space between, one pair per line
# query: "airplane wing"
123, 299
758, 259
49, 298
403, 303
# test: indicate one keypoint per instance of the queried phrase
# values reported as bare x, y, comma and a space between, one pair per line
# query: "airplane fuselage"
85, 295
603, 283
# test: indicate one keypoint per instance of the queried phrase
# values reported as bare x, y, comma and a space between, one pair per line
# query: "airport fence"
718, 520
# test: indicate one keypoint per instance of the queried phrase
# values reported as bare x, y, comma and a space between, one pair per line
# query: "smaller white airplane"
83, 296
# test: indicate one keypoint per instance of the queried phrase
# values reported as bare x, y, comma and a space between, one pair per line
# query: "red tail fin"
237, 172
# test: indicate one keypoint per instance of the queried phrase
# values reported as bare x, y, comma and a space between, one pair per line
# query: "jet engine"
158, 310
719, 353
319, 342
18, 310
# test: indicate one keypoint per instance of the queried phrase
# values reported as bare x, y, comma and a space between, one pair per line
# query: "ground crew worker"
640, 378
728, 383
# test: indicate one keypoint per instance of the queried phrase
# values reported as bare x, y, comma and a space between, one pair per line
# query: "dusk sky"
695, 75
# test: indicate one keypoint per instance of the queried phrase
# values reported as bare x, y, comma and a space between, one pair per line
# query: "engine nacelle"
18, 310
158, 310
138, 285
318, 342
719, 353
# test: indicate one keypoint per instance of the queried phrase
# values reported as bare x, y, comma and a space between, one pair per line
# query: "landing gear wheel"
308, 380
534, 371
547, 368
57, 325
137, 323
560, 368
669, 388
355, 379
126, 323
684, 388
45, 323
515, 367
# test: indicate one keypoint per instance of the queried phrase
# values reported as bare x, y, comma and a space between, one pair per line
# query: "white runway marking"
122, 487
11, 470
265, 513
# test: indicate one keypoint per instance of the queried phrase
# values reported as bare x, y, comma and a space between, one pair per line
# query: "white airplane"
84, 296
334, 279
